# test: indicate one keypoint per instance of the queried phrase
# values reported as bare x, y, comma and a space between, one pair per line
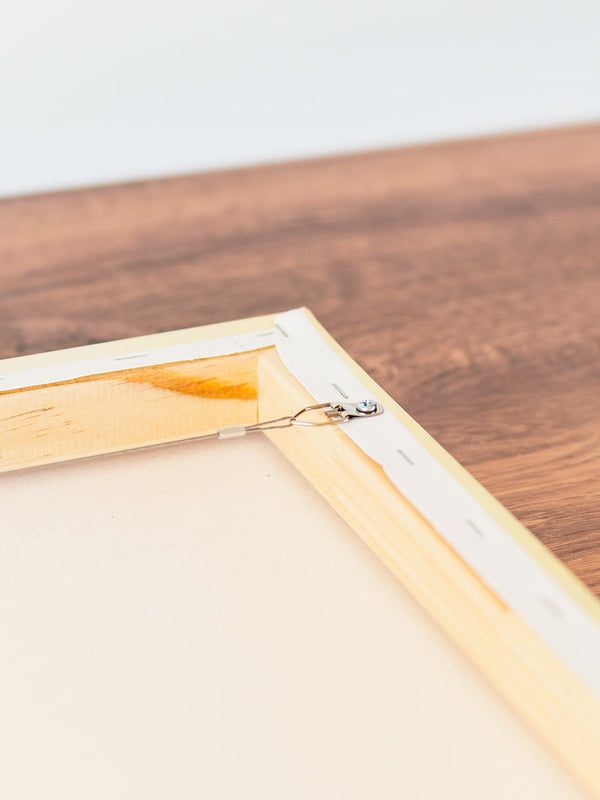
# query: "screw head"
366, 406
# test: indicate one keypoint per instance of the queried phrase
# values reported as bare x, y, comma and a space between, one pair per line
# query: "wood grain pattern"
129, 408
464, 277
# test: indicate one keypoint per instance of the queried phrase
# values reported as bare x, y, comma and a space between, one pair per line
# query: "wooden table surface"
465, 277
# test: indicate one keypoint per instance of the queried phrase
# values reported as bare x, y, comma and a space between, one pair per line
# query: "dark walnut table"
465, 277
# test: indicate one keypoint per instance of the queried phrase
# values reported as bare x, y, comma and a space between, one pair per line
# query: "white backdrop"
102, 92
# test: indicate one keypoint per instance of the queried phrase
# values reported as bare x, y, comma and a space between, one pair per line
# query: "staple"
551, 606
474, 527
282, 330
341, 391
126, 358
267, 333
408, 459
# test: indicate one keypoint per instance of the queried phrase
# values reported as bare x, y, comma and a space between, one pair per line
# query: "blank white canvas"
194, 621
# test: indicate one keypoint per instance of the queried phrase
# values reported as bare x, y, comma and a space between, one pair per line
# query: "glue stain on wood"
234, 380
176, 378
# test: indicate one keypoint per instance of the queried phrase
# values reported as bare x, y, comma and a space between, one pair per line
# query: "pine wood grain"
125, 409
465, 277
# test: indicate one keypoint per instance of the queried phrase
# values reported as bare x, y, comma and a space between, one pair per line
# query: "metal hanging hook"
335, 414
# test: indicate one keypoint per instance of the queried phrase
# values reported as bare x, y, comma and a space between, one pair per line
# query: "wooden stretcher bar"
139, 406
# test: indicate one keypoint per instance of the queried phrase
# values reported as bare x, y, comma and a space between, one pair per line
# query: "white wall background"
119, 89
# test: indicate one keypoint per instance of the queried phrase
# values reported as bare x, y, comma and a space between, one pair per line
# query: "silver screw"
366, 407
